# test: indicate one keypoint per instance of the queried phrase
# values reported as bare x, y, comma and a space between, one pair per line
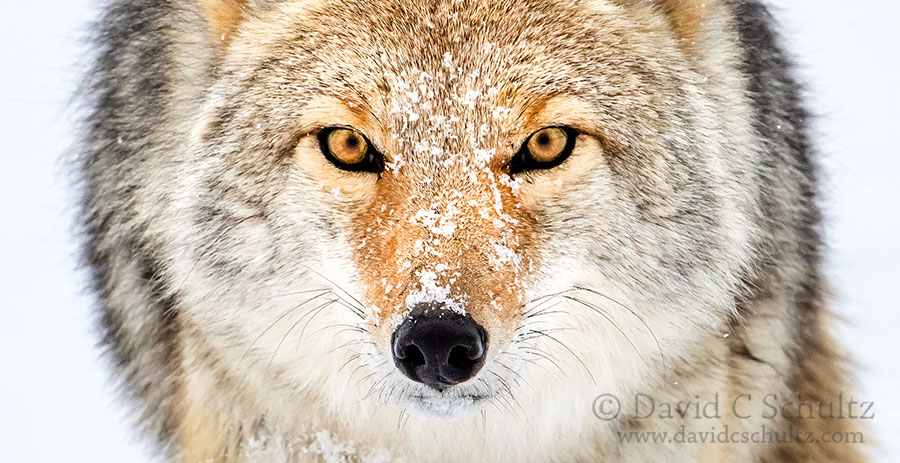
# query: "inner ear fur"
223, 16
687, 16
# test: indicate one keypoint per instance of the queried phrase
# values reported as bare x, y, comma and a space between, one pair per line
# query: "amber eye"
349, 150
544, 149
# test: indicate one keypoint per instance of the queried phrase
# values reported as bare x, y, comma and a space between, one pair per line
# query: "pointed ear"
687, 16
223, 16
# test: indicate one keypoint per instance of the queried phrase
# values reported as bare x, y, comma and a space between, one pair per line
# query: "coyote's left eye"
349, 150
544, 149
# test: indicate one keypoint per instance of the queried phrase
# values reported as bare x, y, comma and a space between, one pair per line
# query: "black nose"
438, 347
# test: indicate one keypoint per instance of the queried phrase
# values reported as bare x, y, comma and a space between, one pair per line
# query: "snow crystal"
320, 444
440, 224
431, 292
503, 256
448, 60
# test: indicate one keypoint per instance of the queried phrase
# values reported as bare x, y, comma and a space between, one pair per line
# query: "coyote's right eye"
349, 150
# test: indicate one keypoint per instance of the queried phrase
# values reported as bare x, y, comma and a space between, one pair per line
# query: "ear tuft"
223, 16
687, 16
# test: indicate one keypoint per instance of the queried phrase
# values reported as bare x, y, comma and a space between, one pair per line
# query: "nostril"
412, 356
460, 358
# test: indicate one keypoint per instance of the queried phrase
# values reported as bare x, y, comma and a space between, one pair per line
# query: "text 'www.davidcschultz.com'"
763, 435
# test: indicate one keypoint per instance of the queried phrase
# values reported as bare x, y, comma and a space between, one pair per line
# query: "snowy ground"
55, 402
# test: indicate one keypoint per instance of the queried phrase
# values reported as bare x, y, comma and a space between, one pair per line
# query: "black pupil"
352, 143
543, 139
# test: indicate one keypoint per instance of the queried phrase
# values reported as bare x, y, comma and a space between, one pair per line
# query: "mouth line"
452, 399
427, 399
446, 405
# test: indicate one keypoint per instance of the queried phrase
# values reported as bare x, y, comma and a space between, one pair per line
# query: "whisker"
510, 395
373, 373
285, 314
326, 304
350, 359
533, 333
586, 369
540, 353
528, 360
544, 299
406, 418
375, 385
348, 327
310, 319
605, 315
519, 375
544, 310
400, 419
636, 315
350, 343
294, 293
359, 367
355, 310
358, 302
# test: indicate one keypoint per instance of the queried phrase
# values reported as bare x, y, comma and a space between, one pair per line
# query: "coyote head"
454, 207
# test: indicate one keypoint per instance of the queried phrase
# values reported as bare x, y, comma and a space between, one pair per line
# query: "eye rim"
372, 161
523, 161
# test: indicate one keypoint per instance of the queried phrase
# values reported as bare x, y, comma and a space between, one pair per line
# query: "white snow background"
56, 403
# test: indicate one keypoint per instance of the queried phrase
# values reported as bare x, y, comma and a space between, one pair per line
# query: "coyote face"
463, 202
444, 228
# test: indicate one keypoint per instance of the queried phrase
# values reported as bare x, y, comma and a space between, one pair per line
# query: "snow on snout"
446, 123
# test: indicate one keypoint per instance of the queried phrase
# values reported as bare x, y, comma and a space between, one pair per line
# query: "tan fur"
687, 16
223, 16
823, 378
200, 432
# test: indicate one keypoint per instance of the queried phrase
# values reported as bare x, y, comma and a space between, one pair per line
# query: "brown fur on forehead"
522, 51
462, 47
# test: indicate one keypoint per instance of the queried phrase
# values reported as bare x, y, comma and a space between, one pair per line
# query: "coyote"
458, 231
